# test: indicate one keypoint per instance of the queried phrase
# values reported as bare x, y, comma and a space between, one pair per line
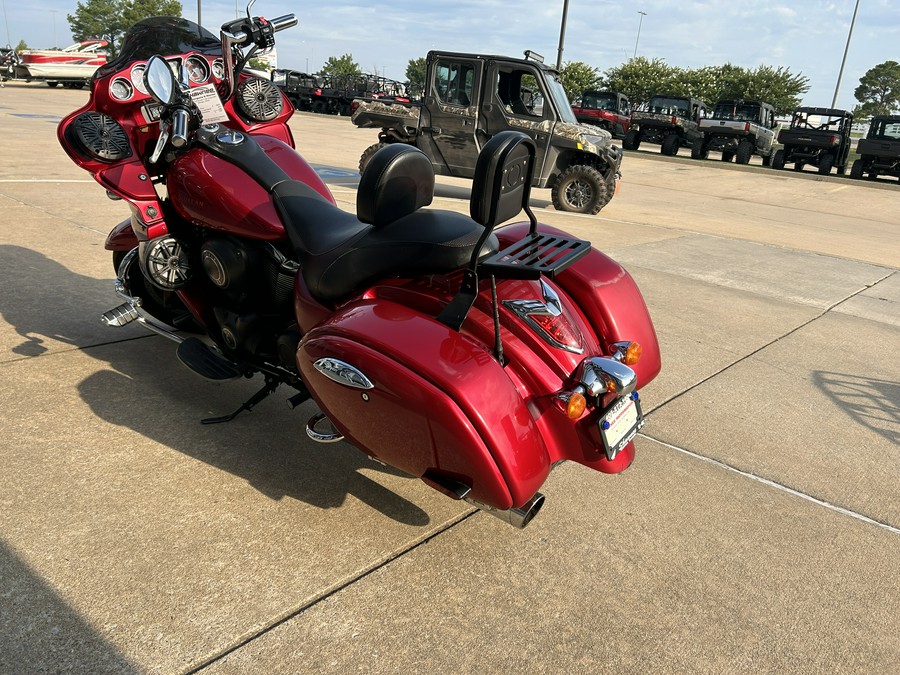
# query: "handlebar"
180, 120
282, 22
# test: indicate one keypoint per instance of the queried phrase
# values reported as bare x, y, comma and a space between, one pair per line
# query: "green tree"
110, 19
879, 90
22, 45
640, 78
415, 76
341, 66
578, 77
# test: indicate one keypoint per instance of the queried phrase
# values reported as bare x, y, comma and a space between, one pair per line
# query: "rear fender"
609, 298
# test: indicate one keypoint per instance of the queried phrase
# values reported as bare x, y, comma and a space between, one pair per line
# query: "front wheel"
632, 140
367, 155
699, 150
580, 189
744, 152
778, 160
670, 145
856, 171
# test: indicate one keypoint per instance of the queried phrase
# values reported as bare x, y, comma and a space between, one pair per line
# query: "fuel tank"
212, 192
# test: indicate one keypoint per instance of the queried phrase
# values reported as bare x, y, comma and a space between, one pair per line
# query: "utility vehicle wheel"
670, 145
367, 155
856, 171
581, 189
825, 164
698, 150
52, 84
767, 160
632, 140
319, 107
778, 160
611, 185
727, 155
744, 152
798, 166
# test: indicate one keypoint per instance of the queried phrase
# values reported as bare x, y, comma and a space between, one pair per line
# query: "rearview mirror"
160, 81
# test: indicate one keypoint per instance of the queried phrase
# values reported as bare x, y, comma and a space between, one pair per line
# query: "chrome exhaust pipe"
518, 517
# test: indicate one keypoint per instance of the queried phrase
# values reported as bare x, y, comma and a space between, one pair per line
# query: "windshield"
744, 112
668, 106
164, 35
558, 94
886, 130
599, 102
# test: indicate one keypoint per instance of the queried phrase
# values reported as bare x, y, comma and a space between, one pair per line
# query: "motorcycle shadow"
140, 385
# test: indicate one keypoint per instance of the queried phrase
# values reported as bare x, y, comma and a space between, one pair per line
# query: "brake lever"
161, 141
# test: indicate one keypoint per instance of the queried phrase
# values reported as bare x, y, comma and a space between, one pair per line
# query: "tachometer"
137, 77
198, 69
218, 69
121, 89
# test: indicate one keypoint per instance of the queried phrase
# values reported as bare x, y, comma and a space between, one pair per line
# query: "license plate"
620, 424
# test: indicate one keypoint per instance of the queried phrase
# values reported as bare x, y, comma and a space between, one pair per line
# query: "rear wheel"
778, 160
580, 189
727, 155
798, 166
632, 140
367, 155
825, 164
856, 171
670, 145
767, 160
744, 152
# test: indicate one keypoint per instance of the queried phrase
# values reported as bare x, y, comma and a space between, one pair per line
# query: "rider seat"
391, 235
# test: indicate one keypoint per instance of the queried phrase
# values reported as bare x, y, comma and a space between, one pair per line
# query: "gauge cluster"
200, 70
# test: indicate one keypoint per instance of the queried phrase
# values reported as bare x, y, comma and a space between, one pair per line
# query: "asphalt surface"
758, 529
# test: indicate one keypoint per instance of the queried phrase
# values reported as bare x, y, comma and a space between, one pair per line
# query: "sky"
806, 36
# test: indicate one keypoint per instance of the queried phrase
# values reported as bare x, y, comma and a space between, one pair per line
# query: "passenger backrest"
503, 175
398, 180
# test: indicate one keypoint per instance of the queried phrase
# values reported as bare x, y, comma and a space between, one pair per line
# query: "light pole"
638, 38
562, 34
844, 60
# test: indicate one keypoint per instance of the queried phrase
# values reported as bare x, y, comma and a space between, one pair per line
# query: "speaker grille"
259, 99
101, 137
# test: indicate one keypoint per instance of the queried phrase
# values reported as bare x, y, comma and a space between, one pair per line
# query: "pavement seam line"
332, 590
756, 351
778, 486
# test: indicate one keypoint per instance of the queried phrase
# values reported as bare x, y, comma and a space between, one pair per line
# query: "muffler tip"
517, 517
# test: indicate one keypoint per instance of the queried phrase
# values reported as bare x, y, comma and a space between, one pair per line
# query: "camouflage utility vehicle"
608, 110
671, 121
738, 129
879, 151
817, 136
468, 98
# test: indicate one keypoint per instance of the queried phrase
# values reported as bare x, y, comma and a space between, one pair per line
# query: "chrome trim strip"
343, 373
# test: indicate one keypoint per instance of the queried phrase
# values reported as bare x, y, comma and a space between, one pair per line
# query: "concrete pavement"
757, 531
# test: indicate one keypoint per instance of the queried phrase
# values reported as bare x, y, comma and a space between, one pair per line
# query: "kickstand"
269, 387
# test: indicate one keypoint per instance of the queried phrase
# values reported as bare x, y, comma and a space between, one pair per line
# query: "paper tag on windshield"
207, 101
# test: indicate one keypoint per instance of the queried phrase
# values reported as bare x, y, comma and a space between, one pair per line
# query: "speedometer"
137, 78
218, 68
198, 69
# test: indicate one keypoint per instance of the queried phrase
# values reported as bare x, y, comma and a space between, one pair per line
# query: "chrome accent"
130, 310
165, 262
618, 350
594, 372
550, 307
551, 299
230, 137
518, 517
343, 373
318, 436
120, 83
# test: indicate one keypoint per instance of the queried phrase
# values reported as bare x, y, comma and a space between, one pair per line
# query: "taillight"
674, 119
747, 126
548, 320
833, 140
779, 136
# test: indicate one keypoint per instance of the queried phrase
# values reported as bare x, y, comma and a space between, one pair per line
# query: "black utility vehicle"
879, 151
300, 88
738, 129
469, 98
817, 136
671, 121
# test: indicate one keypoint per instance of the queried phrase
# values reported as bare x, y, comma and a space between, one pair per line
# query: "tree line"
639, 78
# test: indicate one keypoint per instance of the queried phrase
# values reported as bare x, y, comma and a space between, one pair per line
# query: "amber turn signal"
576, 405
633, 353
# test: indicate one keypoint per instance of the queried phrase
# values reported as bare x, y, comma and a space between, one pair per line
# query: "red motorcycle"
470, 355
